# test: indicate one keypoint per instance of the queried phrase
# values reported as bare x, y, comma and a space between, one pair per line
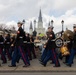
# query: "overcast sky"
11, 11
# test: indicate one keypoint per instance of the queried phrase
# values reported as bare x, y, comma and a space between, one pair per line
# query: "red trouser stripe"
55, 57
23, 55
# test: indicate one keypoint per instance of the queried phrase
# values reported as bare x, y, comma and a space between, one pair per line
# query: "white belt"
1, 42
8, 43
20, 37
28, 42
25, 41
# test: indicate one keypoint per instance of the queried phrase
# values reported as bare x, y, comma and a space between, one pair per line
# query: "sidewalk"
37, 67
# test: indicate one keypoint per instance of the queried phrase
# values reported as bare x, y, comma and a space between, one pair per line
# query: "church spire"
40, 16
31, 25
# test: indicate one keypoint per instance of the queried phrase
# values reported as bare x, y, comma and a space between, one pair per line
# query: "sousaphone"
65, 35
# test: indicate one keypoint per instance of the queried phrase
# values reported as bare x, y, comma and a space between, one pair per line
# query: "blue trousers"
47, 57
44, 54
29, 53
32, 52
7, 51
11, 51
51, 54
19, 52
3, 57
71, 58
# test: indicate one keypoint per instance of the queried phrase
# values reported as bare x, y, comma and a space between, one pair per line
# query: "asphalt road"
48, 73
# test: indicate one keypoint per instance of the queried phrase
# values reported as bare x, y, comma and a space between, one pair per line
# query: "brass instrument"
67, 36
64, 50
63, 42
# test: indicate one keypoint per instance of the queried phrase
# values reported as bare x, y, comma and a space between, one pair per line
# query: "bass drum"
59, 42
64, 51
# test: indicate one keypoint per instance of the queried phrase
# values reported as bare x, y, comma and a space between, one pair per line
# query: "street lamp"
62, 22
23, 24
34, 25
49, 24
52, 23
34, 32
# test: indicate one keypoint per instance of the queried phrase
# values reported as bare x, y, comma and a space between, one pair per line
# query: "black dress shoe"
0, 65
12, 65
17, 61
4, 62
60, 58
57, 66
43, 64
26, 65
69, 65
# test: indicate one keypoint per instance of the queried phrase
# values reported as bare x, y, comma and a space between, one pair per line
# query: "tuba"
64, 50
67, 37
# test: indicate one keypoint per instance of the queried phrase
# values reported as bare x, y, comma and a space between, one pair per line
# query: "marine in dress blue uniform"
50, 47
1, 50
19, 49
32, 46
7, 46
12, 46
28, 46
73, 49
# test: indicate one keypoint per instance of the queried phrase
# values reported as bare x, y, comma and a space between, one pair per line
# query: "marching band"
22, 46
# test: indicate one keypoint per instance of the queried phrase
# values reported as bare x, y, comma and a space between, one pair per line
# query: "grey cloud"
25, 9
31, 7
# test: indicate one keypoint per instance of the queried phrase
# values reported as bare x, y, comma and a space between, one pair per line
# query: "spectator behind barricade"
37, 40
